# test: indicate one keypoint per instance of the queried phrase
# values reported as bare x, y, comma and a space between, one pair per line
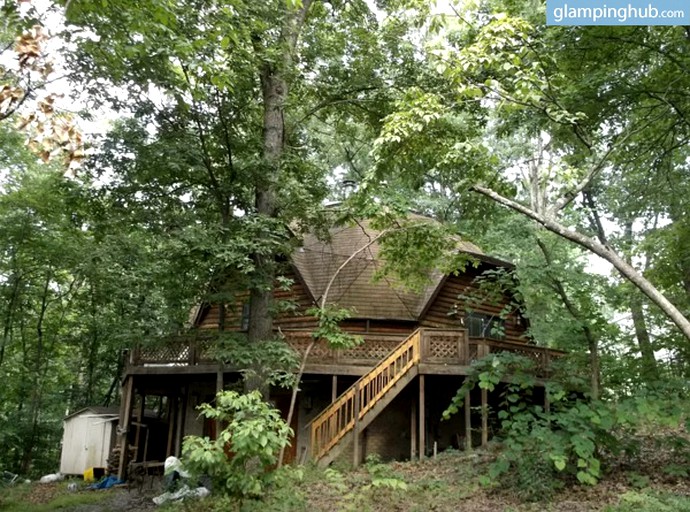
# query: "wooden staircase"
342, 421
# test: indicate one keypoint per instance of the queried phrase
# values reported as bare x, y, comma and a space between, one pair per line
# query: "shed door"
73, 456
94, 442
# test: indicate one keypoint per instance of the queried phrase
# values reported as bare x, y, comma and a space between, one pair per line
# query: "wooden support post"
413, 431
123, 427
356, 457
144, 457
468, 422
485, 418
422, 422
547, 402
181, 416
334, 388
172, 414
140, 422
220, 384
463, 349
192, 353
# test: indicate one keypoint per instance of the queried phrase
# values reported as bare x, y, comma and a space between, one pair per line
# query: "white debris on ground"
173, 464
53, 477
184, 492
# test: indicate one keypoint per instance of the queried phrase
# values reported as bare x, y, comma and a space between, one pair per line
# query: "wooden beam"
220, 384
344, 369
123, 427
316, 369
413, 430
485, 418
172, 414
140, 418
146, 447
422, 422
444, 369
181, 416
198, 369
334, 388
356, 456
468, 423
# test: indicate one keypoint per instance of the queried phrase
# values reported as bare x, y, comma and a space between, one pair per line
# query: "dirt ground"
448, 484
124, 498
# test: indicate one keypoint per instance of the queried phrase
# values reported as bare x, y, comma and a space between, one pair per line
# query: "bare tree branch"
604, 251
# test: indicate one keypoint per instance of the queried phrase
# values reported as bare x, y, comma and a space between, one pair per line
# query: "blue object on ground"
106, 483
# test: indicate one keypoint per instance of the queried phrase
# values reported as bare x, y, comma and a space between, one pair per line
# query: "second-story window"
481, 325
244, 321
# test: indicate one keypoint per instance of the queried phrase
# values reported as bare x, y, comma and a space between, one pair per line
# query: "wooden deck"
442, 351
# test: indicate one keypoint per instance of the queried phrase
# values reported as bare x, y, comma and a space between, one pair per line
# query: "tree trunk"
650, 372
649, 367
605, 252
592, 341
9, 314
274, 88
261, 295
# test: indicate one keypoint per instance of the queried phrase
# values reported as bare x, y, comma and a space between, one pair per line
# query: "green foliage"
83, 275
17, 499
415, 247
329, 318
650, 502
165, 213
240, 460
539, 447
494, 286
272, 361
284, 493
382, 476
542, 449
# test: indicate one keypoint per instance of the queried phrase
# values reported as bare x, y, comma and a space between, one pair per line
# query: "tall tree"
599, 113
229, 104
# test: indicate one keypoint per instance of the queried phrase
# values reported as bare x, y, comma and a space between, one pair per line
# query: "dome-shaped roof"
354, 287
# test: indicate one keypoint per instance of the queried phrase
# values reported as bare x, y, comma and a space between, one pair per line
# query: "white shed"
87, 439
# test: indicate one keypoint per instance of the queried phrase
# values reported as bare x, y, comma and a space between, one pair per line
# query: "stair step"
359, 405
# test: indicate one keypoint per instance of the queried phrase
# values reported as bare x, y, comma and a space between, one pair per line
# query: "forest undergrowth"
640, 482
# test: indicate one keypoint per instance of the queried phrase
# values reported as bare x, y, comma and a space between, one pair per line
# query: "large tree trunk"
628, 271
274, 94
274, 88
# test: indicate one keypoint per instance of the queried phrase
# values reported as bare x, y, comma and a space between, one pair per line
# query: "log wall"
436, 314
446, 301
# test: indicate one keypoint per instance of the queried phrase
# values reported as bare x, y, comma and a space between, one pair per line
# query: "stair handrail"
336, 420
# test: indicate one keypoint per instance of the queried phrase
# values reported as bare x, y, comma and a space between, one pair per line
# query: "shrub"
240, 461
540, 448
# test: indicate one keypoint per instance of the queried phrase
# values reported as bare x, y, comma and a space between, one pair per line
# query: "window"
244, 322
480, 325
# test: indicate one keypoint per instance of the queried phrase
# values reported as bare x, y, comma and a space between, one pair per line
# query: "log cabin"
384, 396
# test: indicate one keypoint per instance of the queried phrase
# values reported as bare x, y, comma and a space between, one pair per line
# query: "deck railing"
341, 416
437, 346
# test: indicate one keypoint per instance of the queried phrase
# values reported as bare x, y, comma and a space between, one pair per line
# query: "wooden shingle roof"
354, 287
